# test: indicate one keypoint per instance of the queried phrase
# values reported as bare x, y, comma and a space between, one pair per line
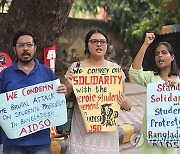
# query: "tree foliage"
45, 18
132, 18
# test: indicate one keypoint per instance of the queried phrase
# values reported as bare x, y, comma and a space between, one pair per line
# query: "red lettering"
29, 128
23, 92
23, 130
35, 127
160, 87
47, 122
95, 128
93, 80
87, 98
75, 80
106, 79
41, 124
100, 80
153, 99
120, 79
81, 80
11, 96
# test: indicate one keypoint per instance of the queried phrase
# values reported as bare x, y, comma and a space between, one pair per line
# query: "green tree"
45, 18
132, 18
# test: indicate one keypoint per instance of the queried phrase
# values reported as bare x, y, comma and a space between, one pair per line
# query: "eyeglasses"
22, 45
96, 42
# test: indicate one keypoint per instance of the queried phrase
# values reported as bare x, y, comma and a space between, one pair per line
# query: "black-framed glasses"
96, 42
22, 45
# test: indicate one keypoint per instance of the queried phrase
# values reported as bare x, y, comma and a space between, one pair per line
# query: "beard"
25, 61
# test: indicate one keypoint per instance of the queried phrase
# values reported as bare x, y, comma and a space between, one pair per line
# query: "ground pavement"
130, 122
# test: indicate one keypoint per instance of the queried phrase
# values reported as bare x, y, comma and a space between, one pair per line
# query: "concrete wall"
73, 37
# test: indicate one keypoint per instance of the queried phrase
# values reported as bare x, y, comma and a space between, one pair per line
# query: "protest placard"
30, 109
163, 114
97, 91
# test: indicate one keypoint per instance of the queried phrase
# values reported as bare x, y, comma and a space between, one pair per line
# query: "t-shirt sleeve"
141, 77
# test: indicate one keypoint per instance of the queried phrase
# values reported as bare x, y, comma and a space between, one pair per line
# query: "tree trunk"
45, 18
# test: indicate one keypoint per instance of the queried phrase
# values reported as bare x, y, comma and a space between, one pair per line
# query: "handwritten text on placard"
97, 92
163, 115
31, 109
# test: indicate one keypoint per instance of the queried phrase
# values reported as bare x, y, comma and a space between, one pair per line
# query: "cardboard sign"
97, 91
28, 110
163, 115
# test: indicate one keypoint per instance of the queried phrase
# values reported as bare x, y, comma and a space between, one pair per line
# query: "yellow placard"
97, 91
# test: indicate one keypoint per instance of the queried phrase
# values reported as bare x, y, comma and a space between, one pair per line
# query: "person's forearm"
69, 88
126, 105
137, 62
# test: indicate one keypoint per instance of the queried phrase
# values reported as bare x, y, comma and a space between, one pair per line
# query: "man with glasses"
26, 71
